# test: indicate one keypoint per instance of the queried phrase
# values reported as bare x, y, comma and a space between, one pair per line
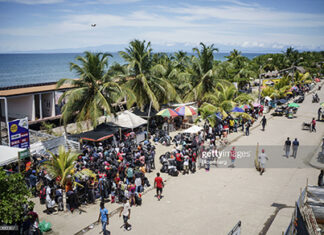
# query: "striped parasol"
168, 113
245, 106
186, 111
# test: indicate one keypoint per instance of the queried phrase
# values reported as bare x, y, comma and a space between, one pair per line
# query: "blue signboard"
19, 133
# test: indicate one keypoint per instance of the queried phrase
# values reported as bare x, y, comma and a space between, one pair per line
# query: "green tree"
61, 165
93, 93
234, 55
201, 72
226, 97
14, 196
291, 56
147, 82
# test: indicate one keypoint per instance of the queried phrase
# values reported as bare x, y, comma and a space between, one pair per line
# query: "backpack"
138, 200
42, 195
130, 172
173, 172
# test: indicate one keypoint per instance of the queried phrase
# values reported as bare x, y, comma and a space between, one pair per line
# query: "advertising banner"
19, 133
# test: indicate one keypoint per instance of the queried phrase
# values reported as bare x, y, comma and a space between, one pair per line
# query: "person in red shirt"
158, 184
233, 156
313, 123
179, 161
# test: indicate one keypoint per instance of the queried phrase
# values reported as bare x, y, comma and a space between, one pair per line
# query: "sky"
170, 25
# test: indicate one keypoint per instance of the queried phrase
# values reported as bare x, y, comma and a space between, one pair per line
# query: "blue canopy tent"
281, 101
237, 110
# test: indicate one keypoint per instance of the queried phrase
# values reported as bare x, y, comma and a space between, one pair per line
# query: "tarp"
9, 154
145, 112
238, 110
128, 120
100, 133
192, 130
282, 101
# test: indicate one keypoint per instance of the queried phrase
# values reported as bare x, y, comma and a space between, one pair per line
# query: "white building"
37, 102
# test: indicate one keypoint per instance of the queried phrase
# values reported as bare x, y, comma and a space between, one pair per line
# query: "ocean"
23, 69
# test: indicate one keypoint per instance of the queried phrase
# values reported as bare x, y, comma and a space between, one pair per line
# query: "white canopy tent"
9, 154
128, 120
184, 104
192, 130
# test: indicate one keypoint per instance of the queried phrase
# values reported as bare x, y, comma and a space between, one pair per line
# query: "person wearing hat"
262, 160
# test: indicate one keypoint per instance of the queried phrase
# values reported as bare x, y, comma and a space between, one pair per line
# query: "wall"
21, 106
48, 106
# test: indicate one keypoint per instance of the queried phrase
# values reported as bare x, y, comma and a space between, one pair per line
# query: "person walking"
233, 157
126, 211
262, 161
103, 214
158, 184
32, 182
247, 128
313, 124
295, 147
263, 122
319, 113
287, 147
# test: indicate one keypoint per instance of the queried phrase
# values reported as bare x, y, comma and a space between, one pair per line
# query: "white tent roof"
193, 129
128, 120
267, 98
8, 154
184, 104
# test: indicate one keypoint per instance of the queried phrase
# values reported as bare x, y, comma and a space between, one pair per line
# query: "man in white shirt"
262, 161
138, 184
186, 164
126, 211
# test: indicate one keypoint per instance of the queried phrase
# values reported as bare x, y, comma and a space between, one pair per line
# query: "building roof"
100, 133
29, 89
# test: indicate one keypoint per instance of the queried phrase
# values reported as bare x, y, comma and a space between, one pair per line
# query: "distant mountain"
156, 47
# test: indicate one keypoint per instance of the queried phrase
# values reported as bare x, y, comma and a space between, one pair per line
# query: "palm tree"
233, 55
181, 60
302, 78
93, 93
291, 56
226, 97
201, 72
60, 166
207, 112
147, 83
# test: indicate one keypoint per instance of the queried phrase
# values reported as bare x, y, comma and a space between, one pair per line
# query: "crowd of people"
112, 171
118, 168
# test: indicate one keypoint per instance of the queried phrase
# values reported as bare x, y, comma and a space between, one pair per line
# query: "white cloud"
239, 25
249, 14
34, 2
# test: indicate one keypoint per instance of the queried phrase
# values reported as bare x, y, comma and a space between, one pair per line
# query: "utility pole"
260, 76
260, 80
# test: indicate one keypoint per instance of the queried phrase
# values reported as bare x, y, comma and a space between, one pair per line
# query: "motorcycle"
316, 99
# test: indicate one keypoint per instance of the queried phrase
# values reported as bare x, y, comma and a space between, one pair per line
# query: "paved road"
213, 202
